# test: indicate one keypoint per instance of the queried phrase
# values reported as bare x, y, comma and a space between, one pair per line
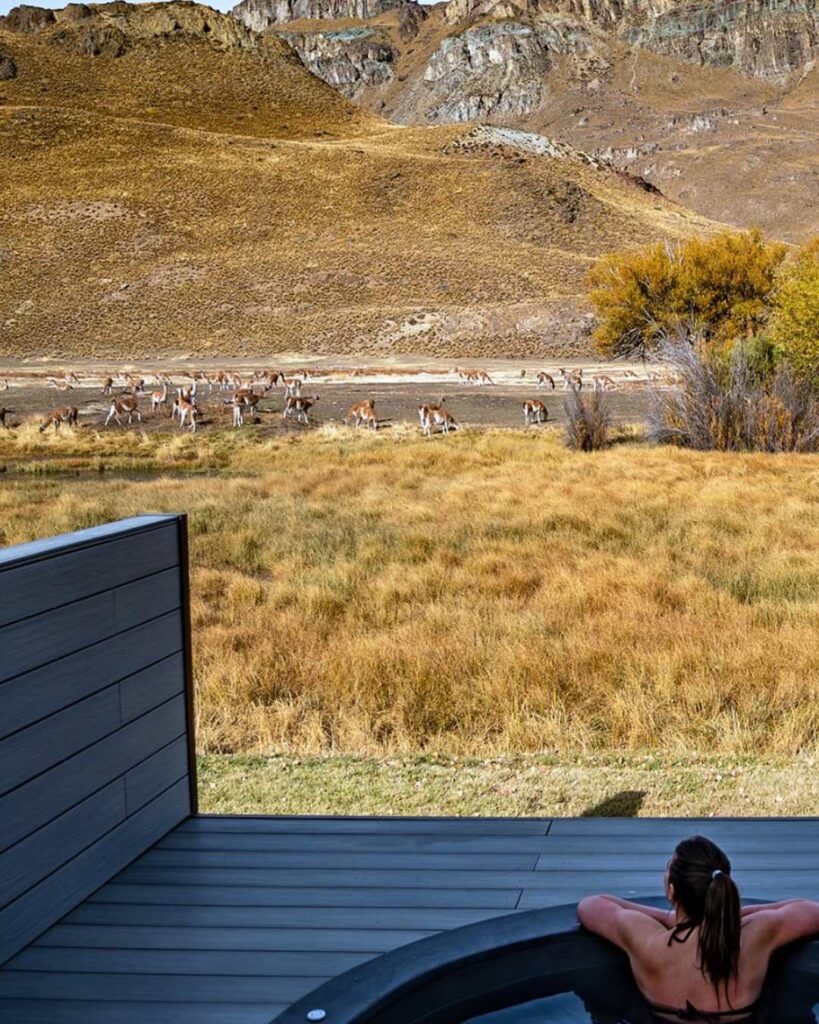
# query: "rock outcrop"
349, 59
26, 18
765, 38
111, 29
261, 14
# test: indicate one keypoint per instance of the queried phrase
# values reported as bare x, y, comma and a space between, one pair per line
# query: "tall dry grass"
492, 592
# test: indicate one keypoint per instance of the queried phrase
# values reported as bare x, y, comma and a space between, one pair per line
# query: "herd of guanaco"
124, 398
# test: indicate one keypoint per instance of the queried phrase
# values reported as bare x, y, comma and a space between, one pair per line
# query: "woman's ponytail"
701, 875
720, 929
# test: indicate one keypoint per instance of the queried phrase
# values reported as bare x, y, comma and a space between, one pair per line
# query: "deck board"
226, 920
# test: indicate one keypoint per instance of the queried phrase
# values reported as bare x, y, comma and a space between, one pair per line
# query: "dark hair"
701, 875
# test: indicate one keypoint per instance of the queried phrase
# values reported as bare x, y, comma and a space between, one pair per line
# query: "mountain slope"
208, 195
715, 103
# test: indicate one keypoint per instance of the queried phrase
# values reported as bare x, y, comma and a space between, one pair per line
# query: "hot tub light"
316, 1014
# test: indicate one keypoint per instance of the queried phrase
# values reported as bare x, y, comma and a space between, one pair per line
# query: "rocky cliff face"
349, 59
261, 14
765, 38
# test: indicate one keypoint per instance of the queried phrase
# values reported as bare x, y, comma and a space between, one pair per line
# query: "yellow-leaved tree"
794, 328
718, 289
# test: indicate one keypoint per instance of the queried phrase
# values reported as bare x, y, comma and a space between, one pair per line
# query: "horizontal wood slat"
27, 862
46, 690
361, 940
35, 803
34, 587
23, 920
75, 1011
64, 630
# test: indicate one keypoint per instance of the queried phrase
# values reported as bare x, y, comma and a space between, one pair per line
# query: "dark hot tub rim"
355, 996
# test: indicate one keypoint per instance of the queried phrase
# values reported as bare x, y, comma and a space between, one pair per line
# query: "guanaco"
603, 383
362, 412
292, 386
107, 385
61, 385
545, 380
159, 398
534, 412
120, 407
3, 413
436, 415
300, 406
484, 378
67, 414
185, 408
572, 379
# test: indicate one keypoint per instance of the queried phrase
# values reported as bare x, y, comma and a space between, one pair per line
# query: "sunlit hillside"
171, 182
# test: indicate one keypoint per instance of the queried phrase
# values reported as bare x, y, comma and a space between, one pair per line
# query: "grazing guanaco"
67, 414
534, 412
159, 398
545, 380
362, 412
107, 385
604, 383
127, 406
300, 406
630, 373
61, 385
484, 378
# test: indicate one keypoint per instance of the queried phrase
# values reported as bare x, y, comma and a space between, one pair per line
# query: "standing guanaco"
107, 385
534, 412
67, 414
545, 380
126, 406
362, 412
300, 406
159, 398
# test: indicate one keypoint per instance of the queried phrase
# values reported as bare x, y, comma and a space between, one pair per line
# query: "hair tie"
715, 874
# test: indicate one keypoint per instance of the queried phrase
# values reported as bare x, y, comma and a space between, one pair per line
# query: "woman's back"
671, 978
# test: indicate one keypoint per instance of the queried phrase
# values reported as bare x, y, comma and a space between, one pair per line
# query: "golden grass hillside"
203, 193
479, 595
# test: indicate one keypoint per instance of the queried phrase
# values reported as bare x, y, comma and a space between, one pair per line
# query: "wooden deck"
226, 920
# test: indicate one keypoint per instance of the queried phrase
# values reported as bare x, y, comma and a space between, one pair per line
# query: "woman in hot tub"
705, 959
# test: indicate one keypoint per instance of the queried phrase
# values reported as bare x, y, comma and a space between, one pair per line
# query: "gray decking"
228, 919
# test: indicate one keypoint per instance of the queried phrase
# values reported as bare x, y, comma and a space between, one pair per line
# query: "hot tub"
536, 967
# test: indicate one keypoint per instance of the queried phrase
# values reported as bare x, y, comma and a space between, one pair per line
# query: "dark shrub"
588, 420
730, 406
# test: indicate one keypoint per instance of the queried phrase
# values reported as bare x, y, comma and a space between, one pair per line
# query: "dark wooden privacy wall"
96, 738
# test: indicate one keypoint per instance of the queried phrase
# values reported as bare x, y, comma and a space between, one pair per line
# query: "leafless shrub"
729, 407
588, 420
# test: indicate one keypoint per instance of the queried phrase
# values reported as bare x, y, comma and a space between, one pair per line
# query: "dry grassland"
480, 595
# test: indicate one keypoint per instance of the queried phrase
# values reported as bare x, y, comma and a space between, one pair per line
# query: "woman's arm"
626, 925
757, 907
665, 917
785, 922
